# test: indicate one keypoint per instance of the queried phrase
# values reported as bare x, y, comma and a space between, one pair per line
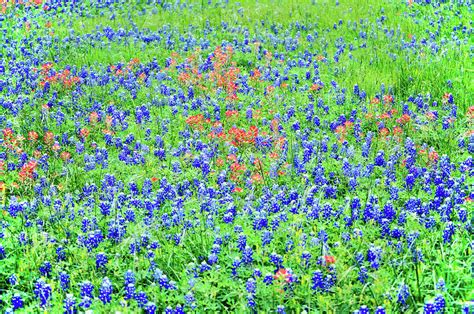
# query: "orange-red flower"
48, 137
84, 133
388, 99
315, 87
195, 121
375, 100
257, 178
65, 155
93, 117
384, 132
7, 133
397, 130
470, 112
32, 136
404, 119
328, 259
433, 155
27, 170
283, 275
231, 113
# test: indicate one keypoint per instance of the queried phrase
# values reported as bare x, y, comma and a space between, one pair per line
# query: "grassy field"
251, 156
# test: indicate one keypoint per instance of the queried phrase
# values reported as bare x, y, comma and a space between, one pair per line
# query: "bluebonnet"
64, 281
380, 310
276, 260
45, 269
318, 282
17, 302
70, 304
247, 255
363, 276
101, 260
13, 279
2, 252
141, 298
60, 254
439, 303
86, 289
251, 286
105, 291
43, 293
364, 310
403, 294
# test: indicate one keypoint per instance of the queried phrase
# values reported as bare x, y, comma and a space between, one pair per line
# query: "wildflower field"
236, 156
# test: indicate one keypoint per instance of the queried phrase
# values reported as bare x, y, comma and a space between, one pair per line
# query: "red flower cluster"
241, 137
27, 171
328, 259
283, 275
195, 121
63, 77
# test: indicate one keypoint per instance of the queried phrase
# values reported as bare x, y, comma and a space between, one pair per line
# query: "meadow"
236, 156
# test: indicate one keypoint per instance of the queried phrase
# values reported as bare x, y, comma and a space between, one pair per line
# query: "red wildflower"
257, 178
256, 74
328, 259
397, 130
241, 137
65, 155
283, 275
433, 155
275, 126
84, 133
27, 170
348, 124
231, 113
404, 119
7, 133
470, 112
195, 121
219, 162
384, 132
48, 137
232, 157
270, 89
315, 87
375, 100
32, 136
446, 97
93, 117
388, 99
